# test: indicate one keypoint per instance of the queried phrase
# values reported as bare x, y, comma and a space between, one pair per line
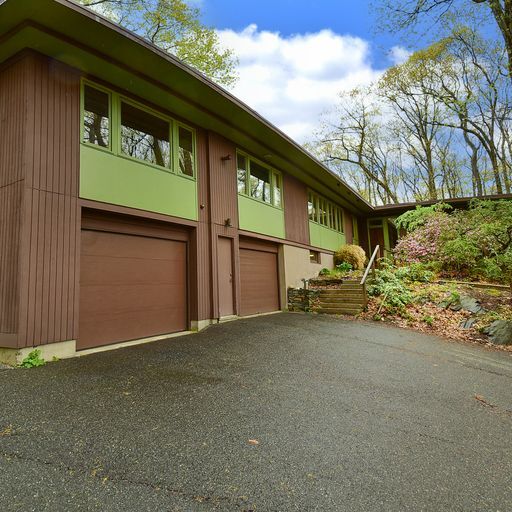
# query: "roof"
393, 210
80, 38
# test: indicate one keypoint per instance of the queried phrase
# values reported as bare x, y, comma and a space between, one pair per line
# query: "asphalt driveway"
277, 413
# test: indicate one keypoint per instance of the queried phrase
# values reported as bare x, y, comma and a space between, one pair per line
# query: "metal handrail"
370, 264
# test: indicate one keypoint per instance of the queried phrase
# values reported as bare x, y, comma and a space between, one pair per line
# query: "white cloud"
292, 80
399, 54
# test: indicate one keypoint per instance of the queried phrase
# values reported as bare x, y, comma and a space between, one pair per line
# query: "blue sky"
353, 17
296, 58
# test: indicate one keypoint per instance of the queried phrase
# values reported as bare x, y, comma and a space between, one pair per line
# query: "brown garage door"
259, 278
131, 287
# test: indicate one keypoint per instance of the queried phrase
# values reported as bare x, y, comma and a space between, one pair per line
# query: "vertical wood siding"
224, 196
348, 227
223, 200
296, 210
201, 289
50, 243
12, 139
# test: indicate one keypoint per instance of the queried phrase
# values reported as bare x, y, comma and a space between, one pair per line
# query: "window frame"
175, 130
109, 93
115, 128
273, 173
123, 99
326, 213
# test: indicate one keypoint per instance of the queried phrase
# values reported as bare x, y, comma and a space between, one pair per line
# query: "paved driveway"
347, 416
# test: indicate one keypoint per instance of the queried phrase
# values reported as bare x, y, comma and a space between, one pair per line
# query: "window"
277, 190
323, 212
144, 136
242, 174
96, 117
138, 132
314, 256
186, 151
311, 207
258, 181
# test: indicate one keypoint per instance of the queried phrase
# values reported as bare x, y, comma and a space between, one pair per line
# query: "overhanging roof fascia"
68, 32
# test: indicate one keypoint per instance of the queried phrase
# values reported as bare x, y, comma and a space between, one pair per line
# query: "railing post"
371, 264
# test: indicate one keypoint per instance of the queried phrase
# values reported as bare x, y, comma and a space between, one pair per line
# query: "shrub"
324, 272
344, 267
388, 284
415, 272
351, 254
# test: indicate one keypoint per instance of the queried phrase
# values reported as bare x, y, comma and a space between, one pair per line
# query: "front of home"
139, 199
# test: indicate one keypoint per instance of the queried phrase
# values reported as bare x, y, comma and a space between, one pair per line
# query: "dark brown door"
225, 276
259, 281
131, 287
377, 238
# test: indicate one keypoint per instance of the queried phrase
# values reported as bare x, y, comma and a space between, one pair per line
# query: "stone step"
341, 303
342, 289
341, 296
342, 292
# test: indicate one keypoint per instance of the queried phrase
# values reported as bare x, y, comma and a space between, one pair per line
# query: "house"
138, 198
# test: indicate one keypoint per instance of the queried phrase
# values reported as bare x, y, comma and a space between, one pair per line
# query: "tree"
462, 71
418, 118
357, 144
403, 14
175, 27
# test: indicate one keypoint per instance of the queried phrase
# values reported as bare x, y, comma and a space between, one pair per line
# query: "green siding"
325, 238
387, 245
261, 218
111, 179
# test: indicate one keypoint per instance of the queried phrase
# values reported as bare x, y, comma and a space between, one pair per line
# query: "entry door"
377, 238
225, 273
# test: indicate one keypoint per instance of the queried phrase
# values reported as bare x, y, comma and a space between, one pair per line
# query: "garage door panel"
134, 297
100, 270
130, 287
120, 326
129, 246
259, 282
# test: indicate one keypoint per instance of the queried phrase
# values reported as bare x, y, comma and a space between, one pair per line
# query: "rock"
500, 332
468, 323
470, 304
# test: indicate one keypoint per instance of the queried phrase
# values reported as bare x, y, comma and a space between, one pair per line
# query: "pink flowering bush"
474, 243
423, 243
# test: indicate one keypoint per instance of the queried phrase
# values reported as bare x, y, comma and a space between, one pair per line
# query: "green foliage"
413, 219
324, 272
33, 359
415, 272
351, 254
344, 267
475, 243
174, 26
428, 320
395, 293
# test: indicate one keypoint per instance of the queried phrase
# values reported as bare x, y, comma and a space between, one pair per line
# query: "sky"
296, 56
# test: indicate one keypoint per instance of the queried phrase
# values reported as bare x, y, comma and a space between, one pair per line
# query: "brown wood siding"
362, 228
224, 195
201, 252
50, 243
348, 227
295, 195
12, 139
